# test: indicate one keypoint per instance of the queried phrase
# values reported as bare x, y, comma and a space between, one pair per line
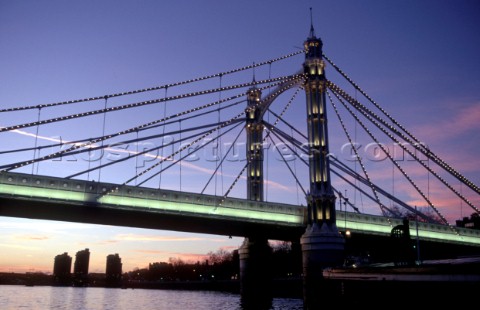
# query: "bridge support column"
255, 273
322, 246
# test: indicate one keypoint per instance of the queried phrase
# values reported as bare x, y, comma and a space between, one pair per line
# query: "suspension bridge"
193, 144
236, 153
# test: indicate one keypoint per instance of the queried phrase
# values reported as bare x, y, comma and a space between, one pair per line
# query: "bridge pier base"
255, 273
322, 246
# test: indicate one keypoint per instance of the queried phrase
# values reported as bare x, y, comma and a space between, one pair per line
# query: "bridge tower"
255, 252
322, 244
254, 145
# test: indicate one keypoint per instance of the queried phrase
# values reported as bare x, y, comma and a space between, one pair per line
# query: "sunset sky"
417, 58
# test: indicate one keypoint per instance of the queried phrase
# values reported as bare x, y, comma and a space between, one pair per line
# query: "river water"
96, 298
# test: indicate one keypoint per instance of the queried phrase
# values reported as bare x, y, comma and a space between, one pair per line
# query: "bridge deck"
34, 196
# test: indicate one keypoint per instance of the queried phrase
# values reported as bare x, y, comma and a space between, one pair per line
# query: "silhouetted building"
403, 249
80, 268
473, 222
62, 269
113, 273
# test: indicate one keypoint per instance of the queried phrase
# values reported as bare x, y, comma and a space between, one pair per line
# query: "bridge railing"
380, 225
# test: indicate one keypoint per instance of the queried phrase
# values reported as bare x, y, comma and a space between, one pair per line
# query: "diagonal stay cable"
288, 124
127, 131
151, 88
388, 154
171, 156
285, 135
61, 144
340, 165
139, 153
339, 193
416, 142
232, 186
279, 117
357, 87
284, 86
101, 147
221, 162
288, 166
268, 99
237, 122
143, 103
335, 163
357, 156
355, 186
355, 103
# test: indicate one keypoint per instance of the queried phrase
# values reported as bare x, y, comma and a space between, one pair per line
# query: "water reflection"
93, 298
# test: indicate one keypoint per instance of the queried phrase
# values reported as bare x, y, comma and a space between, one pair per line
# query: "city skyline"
418, 59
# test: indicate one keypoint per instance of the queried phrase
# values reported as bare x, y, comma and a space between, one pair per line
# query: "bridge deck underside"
141, 219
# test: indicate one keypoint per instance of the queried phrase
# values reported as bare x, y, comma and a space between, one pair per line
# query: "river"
97, 298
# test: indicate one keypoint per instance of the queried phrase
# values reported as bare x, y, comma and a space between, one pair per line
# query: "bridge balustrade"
382, 226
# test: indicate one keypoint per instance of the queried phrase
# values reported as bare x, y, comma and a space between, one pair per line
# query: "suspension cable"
147, 102
417, 146
234, 119
164, 123
130, 130
288, 125
346, 169
285, 86
221, 162
151, 88
338, 164
232, 186
237, 122
285, 135
281, 88
94, 148
416, 142
390, 157
357, 157
376, 140
336, 89
136, 155
290, 169
295, 170
146, 150
356, 187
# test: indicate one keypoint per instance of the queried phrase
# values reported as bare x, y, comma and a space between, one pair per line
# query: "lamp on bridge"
347, 232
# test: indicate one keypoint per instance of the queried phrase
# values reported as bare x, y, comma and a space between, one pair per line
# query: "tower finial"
312, 31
